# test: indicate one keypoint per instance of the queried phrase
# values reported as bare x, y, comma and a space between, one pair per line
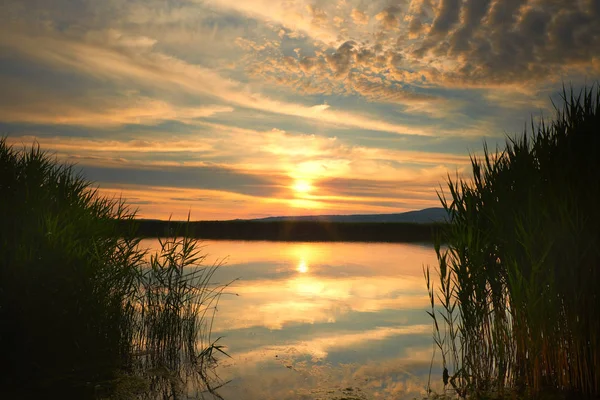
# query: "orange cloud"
359, 17
130, 59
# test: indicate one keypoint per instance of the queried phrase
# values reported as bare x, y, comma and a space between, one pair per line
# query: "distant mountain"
427, 215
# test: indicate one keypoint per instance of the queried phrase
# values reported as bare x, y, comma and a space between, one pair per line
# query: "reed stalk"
516, 307
79, 303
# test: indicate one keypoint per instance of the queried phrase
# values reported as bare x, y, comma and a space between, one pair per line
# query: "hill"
427, 215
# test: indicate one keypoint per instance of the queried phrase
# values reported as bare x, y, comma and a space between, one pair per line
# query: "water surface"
323, 320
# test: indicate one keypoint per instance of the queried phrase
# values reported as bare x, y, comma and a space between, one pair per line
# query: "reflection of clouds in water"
315, 319
245, 340
309, 298
290, 376
320, 346
312, 367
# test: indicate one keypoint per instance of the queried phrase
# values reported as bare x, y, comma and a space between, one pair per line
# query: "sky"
250, 108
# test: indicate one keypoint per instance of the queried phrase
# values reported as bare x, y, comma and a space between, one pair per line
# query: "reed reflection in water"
323, 320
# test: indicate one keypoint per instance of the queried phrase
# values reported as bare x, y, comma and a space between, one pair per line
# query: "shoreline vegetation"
300, 231
514, 298
84, 311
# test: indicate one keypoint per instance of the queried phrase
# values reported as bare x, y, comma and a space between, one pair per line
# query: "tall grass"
78, 300
516, 305
176, 303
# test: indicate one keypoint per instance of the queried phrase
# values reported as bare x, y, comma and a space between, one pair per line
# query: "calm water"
323, 320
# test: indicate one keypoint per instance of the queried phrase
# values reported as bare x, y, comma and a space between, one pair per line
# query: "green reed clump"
176, 302
77, 299
517, 304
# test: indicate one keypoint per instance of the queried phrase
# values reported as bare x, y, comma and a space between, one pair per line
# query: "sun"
302, 186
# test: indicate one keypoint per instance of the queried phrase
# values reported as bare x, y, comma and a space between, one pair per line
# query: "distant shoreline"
293, 231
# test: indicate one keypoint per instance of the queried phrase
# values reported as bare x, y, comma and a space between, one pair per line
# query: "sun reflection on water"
302, 266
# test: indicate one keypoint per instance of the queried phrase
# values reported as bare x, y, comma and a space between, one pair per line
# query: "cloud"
307, 64
248, 44
377, 89
23, 103
319, 16
84, 145
196, 177
167, 202
446, 17
417, 12
297, 16
350, 70
158, 71
472, 14
359, 17
342, 59
503, 13
389, 18
509, 42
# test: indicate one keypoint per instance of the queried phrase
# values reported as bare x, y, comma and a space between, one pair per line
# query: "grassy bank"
80, 305
515, 301
309, 231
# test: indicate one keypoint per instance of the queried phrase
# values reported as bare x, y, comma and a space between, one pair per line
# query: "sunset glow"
302, 186
245, 109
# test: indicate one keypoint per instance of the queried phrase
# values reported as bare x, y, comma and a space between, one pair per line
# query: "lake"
323, 320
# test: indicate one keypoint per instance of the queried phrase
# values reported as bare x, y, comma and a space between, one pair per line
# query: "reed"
516, 305
79, 302
176, 304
